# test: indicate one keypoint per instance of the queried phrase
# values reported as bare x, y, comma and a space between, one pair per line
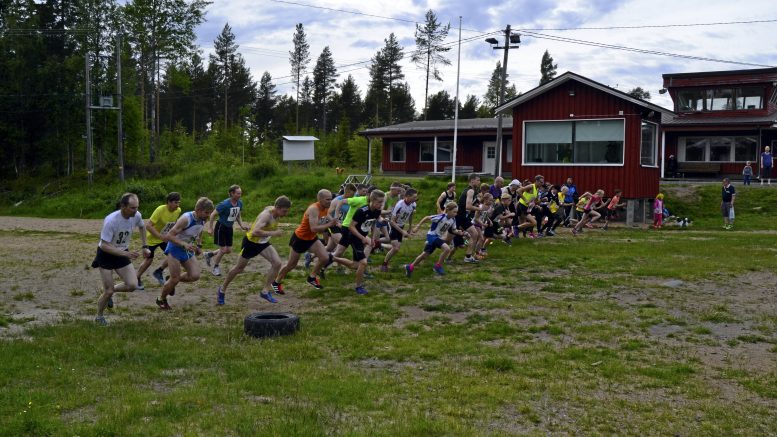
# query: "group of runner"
359, 217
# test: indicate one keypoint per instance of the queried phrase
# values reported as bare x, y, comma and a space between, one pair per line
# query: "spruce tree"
547, 68
429, 49
324, 78
299, 59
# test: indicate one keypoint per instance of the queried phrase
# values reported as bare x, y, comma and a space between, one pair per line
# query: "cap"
515, 182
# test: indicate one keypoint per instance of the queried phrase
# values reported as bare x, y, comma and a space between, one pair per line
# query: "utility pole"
120, 119
509, 39
88, 100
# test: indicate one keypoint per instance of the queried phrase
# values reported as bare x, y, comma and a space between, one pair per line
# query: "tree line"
180, 107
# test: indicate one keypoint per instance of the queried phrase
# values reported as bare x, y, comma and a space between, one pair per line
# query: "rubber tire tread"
262, 325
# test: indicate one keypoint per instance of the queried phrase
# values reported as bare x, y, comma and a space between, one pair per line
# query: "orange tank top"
303, 231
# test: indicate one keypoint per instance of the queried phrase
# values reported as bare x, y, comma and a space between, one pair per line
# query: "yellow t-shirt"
163, 220
271, 226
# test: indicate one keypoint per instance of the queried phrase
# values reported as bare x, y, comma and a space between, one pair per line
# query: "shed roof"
672, 120
429, 126
569, 76
299, 138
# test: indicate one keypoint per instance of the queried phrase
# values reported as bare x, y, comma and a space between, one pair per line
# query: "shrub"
263, 169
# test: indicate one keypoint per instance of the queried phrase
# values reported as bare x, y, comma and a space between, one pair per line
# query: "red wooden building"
722, 120
427, 146
602, 137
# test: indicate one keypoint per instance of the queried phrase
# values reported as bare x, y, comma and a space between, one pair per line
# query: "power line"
636, 50
651, 26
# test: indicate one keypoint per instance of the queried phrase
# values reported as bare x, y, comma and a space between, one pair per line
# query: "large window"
719, 99
718, 149
444, 149
397, 152
649, 145
574, 142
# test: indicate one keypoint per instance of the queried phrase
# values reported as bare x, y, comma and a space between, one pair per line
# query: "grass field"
625, 332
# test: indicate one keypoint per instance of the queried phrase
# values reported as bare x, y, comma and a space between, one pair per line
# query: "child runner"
184, 242
502, 219
257, 242
554, 211
446, 197
528, 195
435, 238
747, 173
612, 208
467, 207
590, 214
113, 252
401, 214
658, 211
228, 212
483, 222
361, 226
162, 220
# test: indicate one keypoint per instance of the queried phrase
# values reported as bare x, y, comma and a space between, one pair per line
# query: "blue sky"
264, 30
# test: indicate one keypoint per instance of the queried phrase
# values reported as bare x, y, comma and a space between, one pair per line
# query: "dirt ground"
45, 278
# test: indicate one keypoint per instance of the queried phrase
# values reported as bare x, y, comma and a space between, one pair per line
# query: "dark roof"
669, 120
754, 71
566, 77
430, 126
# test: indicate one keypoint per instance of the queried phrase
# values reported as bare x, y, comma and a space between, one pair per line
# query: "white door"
489, 157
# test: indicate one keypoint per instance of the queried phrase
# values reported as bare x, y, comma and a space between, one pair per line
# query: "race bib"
233, 213
167, 228
367, 225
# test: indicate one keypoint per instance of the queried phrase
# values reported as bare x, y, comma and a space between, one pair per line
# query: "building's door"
489, 157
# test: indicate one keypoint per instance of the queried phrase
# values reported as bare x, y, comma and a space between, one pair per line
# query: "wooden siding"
469, 151
732, 168
633, 179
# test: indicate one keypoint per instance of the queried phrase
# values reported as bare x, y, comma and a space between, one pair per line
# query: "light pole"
511, 42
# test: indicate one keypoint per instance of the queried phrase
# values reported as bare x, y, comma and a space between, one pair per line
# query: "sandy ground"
45, 277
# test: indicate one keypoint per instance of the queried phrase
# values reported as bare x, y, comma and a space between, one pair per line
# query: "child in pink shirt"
658, 211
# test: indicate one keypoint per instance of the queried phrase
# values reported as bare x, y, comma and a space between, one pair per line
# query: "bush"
147, 192
263, 169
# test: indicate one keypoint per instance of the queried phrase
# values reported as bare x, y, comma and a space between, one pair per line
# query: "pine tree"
265, 104
441, 106
324, 78
491, 98
348, 103
547, 68
470, 107
429, 50
639, 93
299, 59
390, 56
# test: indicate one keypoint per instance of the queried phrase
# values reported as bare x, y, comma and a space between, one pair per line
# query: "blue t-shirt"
227, 212
766, 159
728, 193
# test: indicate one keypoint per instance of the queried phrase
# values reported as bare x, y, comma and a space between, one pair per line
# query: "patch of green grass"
20, 297
717, 314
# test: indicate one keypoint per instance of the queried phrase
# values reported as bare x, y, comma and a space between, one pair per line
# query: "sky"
355, 30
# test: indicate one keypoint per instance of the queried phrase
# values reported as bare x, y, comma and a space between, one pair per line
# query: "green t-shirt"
354, 203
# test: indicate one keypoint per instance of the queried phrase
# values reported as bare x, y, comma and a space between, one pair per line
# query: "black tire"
270, 324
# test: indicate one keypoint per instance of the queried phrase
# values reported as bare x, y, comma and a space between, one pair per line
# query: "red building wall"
469, 151
632, 178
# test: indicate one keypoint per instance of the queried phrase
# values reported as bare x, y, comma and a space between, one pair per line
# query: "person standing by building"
228, 212
747, 173
496, 189
113, 254
727, 204
766, 166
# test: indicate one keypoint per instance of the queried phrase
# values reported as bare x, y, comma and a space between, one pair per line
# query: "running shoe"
361, 290
313, 282
532, 235
439, 270
162, 304
216, 271
208, 256
471, 260
308, 260
589, 226
140, 286
383, 267
574, 232
100, 320
110, 302
278, 287
267, 295
220, 297
550, 233
158, 276
409, 269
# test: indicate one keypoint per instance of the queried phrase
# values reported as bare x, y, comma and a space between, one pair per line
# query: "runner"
466, 210
184, 241
442, 224
113, 252
158, 225
401, 214
305, 238
360, 227
257, 242
590, 214
612, 208
526, 204
228, 212
446, 197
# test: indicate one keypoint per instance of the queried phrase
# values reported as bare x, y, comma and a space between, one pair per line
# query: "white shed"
299, 148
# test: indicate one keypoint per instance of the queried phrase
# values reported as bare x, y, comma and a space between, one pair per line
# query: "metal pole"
456, 115
119, 105
88, 85
369, 155
498, 166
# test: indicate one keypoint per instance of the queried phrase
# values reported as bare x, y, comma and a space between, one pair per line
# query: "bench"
460, 169
698, 167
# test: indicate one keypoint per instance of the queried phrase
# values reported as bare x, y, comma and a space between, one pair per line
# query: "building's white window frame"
655, 146
682, 143
574, 164
404, 151
440, 145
